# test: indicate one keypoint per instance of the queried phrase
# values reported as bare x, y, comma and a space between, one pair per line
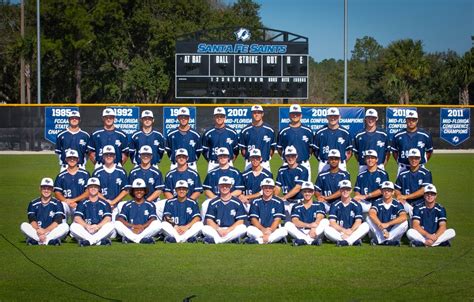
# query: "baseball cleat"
105, 241
209, 240
147, 240
83, 243
169, 239
342, 243
30, 241
250, 240
299, 242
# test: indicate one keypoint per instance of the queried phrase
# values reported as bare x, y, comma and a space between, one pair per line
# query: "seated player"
45, 218
327, 184
181, 217
266, 215
346, 226
429, 222
308, 219
137, 221
387, 218
93, 218
225, 216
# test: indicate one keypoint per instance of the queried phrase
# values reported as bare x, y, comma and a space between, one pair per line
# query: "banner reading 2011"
455, 125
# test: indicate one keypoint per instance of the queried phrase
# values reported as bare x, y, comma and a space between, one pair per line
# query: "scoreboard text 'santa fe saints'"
235, 70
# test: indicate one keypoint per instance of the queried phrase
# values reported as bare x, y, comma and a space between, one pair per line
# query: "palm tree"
464, 75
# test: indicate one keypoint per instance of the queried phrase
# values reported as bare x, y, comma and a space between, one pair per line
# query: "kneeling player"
93, 218
308, 220
429, 222
225, 216
181, 217
137, 221
345, 219
45, 218
266, 214
387, 218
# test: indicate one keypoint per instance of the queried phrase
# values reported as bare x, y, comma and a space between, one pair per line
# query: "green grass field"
236, 272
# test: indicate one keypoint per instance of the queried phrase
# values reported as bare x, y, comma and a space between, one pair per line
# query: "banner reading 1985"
170, 118
55, 121
455, 125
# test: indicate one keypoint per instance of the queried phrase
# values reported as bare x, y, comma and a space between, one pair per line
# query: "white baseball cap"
222, 151
72, 153
109, 149
295, 108
181, 184
372, 112
411, 114
430, 188
183, 111
267, 182
47, 182
138, 184
181, 151
147, 113
371, 153
414, 152
93, 181
290, 150
108, 112
74, 113
225, 180
256, 108
387, 185
255, 153
306, 185
345, 184
145, 150
333, 111
334, 153
219, 110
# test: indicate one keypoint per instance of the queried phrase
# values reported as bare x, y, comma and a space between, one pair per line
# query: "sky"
441, 25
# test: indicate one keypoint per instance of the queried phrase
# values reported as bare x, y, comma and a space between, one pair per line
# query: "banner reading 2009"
455, 125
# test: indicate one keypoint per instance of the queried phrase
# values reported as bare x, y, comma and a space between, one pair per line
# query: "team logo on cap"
93, 180
182, 110
138, 183
146, 149
108, 149
332, 111
225, 179
108, 111
429, 187
267, 182
333, 153
219, 110
242, 34
46, 181
294, 107
411, 113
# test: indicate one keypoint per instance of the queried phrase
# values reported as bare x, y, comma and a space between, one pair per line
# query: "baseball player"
429, 222
346, 226
108, 135
410, 183
308, 219
371, 138
147, 136
367, 187
69, 185
257, 135
137, 221
332, 136
225, 216
181, 217
387, 218
327, 183
219, 136
184, 137
266, 215
297, 135
72, 138
45, 224
411, 137
93, 218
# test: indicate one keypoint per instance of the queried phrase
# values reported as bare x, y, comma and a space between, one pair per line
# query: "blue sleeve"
316, 145
384, 178
207, 182
132, 151
60, 209
358, 212
58, 184
211, 212
253, 212
416, 214
167, 210
322, 209
442, 215
242, 141
295, 213
280, 211
195, 210
280, 142
125, 184
125, 213
304, 177
205, 147
241, 213
347, 176
152, 213
159, 181
168, 146
124, 141
357, 187
80, 209
162, 145
92, 143
235, 146
108, 210
427, 179
198, 184
168, 184
59, 146
398, 183
400, 209
199, 149
31, 212
333, 212
279, 180
239, 184
429, 143
319, 184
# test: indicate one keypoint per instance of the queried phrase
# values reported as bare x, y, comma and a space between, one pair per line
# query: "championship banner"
127, 119
395, 120
170, 118
55, 121
455, 125
352, 118
237, 117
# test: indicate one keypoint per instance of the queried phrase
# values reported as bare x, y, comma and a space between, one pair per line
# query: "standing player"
346, 226
72, 138
137, 221
371, 138
297, 135
108, 135
387, 218
411, 137
266, 215
185, 173
184, 137
332, 136
257, 135
225, 216
147, 136
93, 218
308, 219
45, 218
219, 136
181, 217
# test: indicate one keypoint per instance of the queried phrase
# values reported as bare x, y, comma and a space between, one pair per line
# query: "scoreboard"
241, 70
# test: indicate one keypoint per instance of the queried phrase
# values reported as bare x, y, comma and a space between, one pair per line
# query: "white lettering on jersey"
155, 142
420, 144
189, 210
146, 213
192, 143
341, 140
266, 139
151, 181
229, 141
232, 212
304, 138
380, 144
118, 143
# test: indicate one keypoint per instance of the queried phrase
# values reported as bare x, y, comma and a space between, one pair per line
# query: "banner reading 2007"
455, 125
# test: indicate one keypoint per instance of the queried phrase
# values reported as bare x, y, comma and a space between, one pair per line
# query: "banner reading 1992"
455, 125
127, 119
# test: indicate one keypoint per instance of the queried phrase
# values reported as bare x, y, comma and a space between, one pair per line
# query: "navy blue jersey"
190, 176
403, 141
288, 178
300, 137
258, 137
225, 214
377, 140
327, 139
189, 140
69, 185
266, 211
387, 214
135, 213
93, 212
328, 183
214, 139
252, 182
370, 181
429, 218
344, 215
112, 182
152, 177
45, 214
409, 182
154, 139
308, 215
181, 213
102, 138
211, 182
76, 141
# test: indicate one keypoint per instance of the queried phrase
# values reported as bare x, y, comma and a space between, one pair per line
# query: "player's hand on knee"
312, 233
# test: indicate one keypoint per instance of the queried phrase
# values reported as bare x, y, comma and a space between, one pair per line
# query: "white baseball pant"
395, 233
59, 232
170, 231
153, 229
80, 233
275, 236
303, 233
333, 235
237, 232
413, 234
